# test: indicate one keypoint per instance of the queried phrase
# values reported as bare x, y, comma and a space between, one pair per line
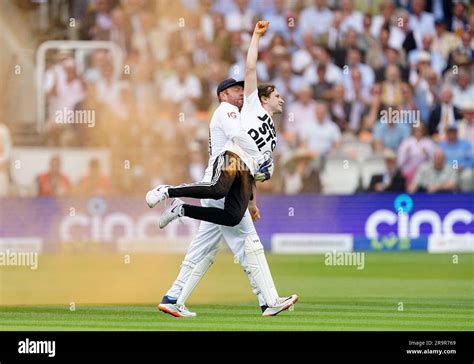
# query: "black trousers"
231, 179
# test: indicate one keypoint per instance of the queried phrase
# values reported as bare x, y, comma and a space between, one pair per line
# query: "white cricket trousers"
207, 239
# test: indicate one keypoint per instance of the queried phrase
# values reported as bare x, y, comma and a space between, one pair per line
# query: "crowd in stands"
396, 75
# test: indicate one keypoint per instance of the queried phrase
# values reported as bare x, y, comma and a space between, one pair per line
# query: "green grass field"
395, 291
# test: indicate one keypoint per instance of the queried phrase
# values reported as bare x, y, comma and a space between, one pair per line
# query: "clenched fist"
261, 27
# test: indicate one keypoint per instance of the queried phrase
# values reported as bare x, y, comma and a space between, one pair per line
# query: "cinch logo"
408, 226
98, 225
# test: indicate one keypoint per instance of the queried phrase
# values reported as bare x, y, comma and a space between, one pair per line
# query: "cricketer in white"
242, 239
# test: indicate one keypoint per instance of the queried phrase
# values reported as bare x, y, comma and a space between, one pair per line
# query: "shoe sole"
284, 308
169, 312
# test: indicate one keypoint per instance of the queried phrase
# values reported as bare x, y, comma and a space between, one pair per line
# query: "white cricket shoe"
283, 303
156, 195
176, 310
172, 212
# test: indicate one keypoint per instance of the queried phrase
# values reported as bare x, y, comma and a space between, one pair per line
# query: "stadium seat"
356, 150
340, 176
371, 166
466, 180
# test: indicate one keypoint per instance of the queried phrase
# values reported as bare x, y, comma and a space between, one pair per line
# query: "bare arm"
252, 56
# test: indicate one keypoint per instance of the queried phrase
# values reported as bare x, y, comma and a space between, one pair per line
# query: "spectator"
287, 83
389, 132
437, 61
5, 152
53, 183
387, 18
95, 183
351, 18
183, 89
435, 176
392, 87
444, 42
426, 91
458, 152
414, 151
320, 136
463, 55
421, 22
392, 57
322, 89
316, 19
466, 125
392, 179
354, 61
120, 30
359, 101
300, 112
458, 22
333, 73
463, 90
305, 56
444, 114
97, 24
241, 19
65, 95
340, 109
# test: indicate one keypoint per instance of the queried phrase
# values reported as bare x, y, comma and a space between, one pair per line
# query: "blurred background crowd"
342, 66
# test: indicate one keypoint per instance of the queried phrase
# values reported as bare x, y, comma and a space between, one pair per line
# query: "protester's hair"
265, 90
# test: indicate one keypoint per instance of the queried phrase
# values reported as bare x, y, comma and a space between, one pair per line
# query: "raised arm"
252, 56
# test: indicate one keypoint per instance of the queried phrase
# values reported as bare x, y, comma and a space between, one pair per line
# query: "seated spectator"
320, 136
438, 63
463, 55
389, 133
426, 92
300, 112
443, 115
390, 181
287, 83
458, 152
53, 183
359, 102
367, 73
392, 86
392, 57
97, 23
444, 41
421, 21
241, 19
183, 89
414, 151
332, 75
322, 89
95, 183
458, 22
351, 18
466, 125
339, 108
463, 90
5, 151
316, 19
435, 176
